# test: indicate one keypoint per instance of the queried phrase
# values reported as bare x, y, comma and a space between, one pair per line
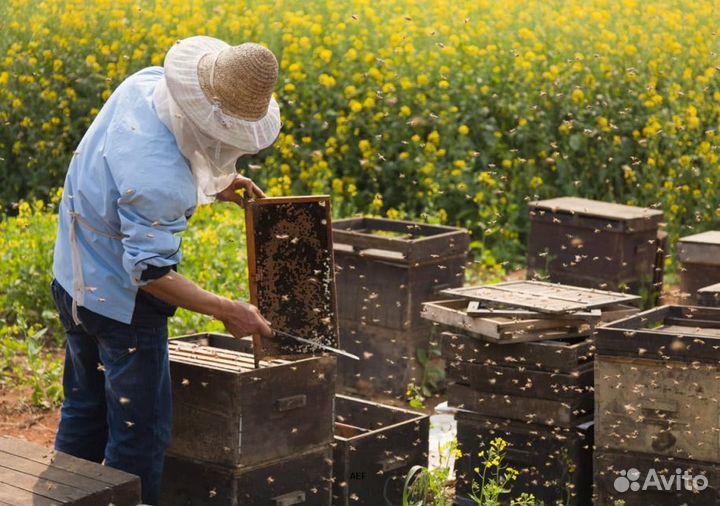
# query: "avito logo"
630, 480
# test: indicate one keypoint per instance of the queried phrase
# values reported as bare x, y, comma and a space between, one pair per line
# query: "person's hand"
241, 189
242, 319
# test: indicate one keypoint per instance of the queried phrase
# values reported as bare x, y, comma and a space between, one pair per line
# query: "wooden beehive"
699, 256
657, 383
385, 270
292, 273
555, 464
611, 470
596, 244
547, 382
225, 411
375, 447
31, 474
294, 479
709, 295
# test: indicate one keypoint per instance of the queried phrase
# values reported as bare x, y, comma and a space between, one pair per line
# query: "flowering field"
457, 112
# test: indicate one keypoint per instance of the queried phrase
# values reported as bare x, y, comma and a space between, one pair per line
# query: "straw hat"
226, 91
239, 79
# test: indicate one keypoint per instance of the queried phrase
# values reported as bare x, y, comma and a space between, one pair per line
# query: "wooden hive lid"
702, 248
636, 218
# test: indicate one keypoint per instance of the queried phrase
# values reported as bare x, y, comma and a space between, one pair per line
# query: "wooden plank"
45, 487
540, 296
15, 496
50, 472
83, 467
475, 308
499, 329
520, 381
598, 209
565, 356
292, 274
563, 413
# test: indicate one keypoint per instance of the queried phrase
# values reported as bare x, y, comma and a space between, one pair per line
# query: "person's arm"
240, 319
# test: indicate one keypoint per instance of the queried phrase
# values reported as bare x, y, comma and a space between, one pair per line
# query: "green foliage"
428, 487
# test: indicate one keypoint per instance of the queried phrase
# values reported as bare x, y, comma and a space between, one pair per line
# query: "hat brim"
181, 75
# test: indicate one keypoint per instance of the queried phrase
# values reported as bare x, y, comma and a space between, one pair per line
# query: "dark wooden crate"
609, 467
595, 244
31, 474
554, 412
291, 269
565, 356
375, 447
298, 478
382, 280
709, 295
225, 411
388, 359
683, 333
699, 256
555, 464
662, 407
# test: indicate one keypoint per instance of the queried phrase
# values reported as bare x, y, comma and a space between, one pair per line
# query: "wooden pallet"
292, 273
31, 474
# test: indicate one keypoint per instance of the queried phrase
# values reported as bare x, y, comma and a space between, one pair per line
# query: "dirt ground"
19, 419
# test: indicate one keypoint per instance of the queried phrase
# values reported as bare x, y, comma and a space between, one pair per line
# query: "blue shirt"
126, 179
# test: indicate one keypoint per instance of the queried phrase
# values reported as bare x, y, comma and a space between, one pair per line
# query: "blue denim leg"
118, 402
83, 429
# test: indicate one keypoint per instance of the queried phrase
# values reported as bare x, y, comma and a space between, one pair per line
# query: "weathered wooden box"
385, 269
555, 464
297, 478
375, 447
31, 474
226, 411
596, 244
709, 295
545, 382
634, 479
657, 383
388, 361
699, 257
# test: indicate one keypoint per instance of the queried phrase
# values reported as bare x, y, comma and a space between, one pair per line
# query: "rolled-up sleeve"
150, 219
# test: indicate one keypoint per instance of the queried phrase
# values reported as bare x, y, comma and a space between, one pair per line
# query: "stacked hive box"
657, 412
385, 270
526, 377
596, 244
375, 447
709, 295
247, 436
700, 263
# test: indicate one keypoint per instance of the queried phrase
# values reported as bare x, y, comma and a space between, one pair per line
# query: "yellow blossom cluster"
449, 111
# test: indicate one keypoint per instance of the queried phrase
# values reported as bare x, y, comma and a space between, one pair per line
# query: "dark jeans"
118, 401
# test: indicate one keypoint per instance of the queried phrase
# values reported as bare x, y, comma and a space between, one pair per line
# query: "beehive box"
31, 474
295, 479
545, 382
385, 269
637, 480
555, 463
709, 295
656, 383
699, 256
596, 244
375, 447
225, 411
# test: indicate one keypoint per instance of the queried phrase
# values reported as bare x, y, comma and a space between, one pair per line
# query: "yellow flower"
463, 130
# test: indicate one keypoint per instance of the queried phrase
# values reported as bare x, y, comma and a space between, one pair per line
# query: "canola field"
439, 110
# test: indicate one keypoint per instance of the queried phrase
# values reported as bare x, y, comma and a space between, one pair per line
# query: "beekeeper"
165, 142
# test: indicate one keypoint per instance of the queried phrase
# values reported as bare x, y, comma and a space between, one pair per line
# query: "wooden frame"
270, 301
541, 296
